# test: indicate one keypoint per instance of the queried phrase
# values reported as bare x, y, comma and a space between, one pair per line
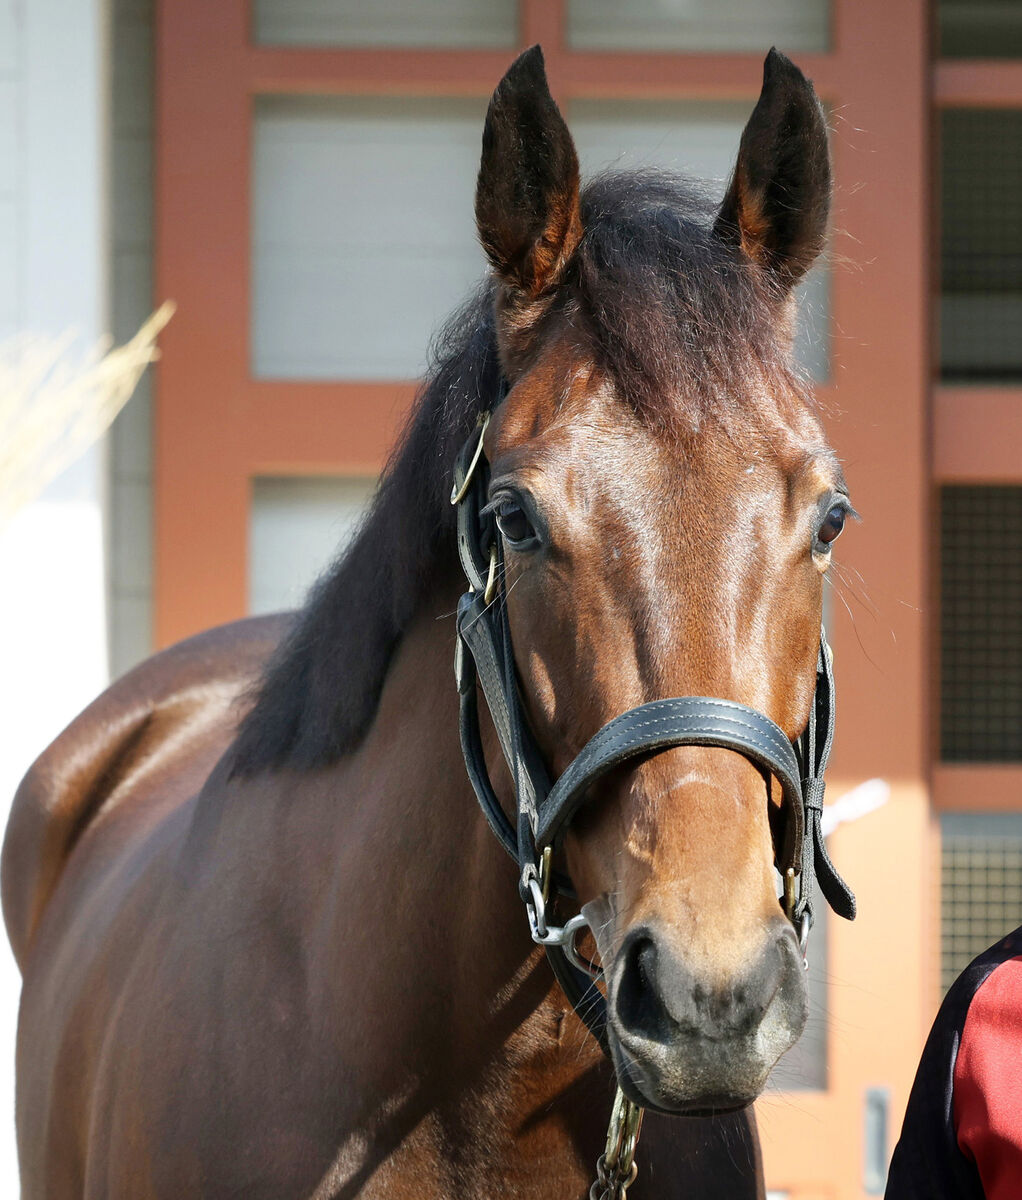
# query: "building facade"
314, 172
297, 176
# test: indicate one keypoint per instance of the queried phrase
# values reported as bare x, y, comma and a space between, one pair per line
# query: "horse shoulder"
160, 708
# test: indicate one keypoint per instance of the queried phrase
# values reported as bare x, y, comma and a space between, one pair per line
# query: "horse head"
666, 501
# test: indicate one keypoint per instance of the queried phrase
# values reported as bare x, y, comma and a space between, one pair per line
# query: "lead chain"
610, 1185
616, 1167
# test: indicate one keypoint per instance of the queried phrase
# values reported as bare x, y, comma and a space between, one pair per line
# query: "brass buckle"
790, 895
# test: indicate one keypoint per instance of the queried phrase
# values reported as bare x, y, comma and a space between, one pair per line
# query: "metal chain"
608, 1184
616, 1167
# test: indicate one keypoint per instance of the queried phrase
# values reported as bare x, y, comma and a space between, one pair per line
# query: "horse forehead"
615, 461
565, 388
558, 390
565, 417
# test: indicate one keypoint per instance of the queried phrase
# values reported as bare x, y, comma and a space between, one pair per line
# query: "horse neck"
423, 894
477, 1050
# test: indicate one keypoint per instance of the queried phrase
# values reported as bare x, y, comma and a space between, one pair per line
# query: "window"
980, 28
981, 245
363, 232
455, 23
701, 25
981, 885
297, 527
981, 633
354, 285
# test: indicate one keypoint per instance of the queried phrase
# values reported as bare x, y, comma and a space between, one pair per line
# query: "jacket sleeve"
927, 1162
987, 1093
962, 1134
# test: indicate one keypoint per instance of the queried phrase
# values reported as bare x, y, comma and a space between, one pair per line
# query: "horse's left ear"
777, 204
527, 207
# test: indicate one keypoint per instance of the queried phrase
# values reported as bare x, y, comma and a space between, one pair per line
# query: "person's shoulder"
977, 975
987, 1086
944, 1132
959, 1003
989, 1059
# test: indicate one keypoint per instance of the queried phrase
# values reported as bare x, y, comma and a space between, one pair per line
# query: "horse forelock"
676, 318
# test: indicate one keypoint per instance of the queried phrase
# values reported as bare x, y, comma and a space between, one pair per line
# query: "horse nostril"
640, 1008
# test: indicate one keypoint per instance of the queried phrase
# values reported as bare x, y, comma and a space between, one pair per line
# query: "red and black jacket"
962, 1135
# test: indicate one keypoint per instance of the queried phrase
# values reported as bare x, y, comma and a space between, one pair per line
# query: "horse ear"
527, 209
777, 204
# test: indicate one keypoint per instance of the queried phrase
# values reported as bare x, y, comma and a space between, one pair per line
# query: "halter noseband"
484, 654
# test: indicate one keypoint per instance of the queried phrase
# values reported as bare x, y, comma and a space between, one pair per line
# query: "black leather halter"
484, 655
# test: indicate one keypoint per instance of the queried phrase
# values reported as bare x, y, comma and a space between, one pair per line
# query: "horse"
269, 944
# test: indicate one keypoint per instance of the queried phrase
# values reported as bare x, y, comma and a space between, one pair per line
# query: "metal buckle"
790, 895
534, 888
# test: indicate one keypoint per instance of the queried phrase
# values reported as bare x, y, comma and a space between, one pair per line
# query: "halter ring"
459, 493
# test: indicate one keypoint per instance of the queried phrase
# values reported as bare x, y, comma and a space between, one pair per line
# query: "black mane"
658, 299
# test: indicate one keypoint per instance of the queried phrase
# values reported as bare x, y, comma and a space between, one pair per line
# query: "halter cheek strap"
484, 660
813, 749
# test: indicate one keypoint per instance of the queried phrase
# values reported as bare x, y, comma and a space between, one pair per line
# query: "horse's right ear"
776, 207
527, 207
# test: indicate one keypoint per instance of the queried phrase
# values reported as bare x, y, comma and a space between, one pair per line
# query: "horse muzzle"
684, 1044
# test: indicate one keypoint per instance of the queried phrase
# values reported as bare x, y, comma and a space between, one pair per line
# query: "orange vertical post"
202, 251
881, 968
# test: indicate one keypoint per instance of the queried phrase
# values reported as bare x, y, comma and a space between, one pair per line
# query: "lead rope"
616, 1167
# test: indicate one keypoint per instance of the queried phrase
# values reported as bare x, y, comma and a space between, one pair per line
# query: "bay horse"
270, 947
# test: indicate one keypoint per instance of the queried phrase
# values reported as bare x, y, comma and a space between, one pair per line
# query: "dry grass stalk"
52, 409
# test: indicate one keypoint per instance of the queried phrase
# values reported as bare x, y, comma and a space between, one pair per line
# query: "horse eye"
513, 523
832, 525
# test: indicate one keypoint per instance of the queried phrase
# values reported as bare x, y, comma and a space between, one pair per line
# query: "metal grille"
981, 885
980, 28
981, 245
981, 624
